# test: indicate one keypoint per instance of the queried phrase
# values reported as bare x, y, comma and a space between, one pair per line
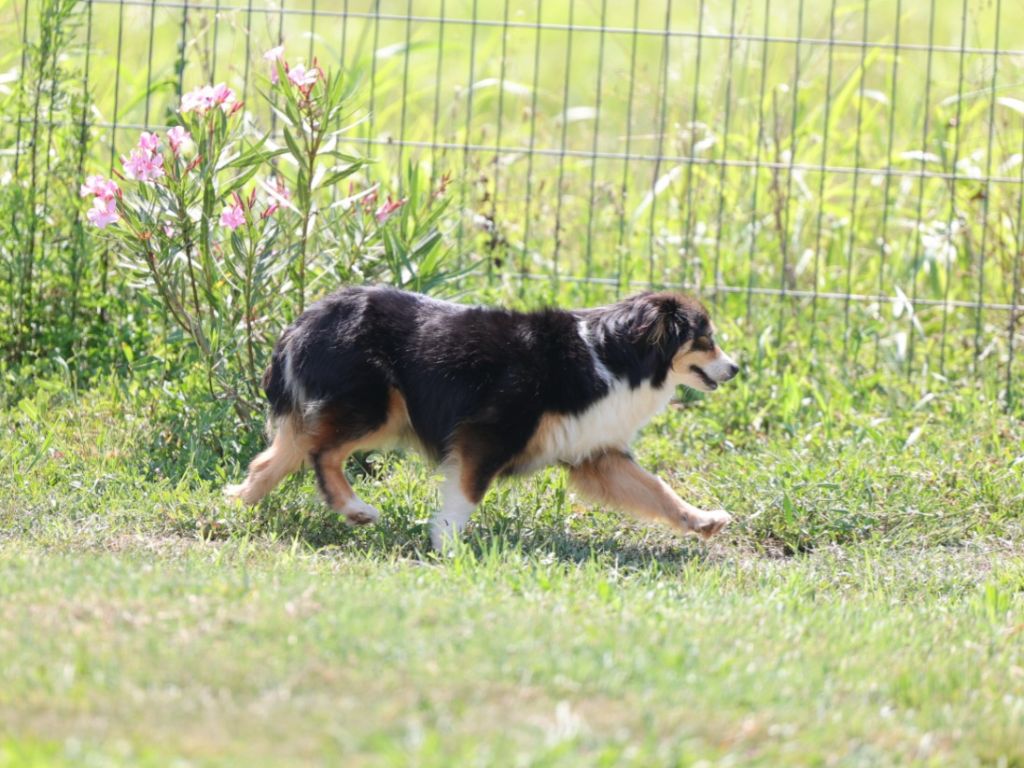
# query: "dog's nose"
732, 370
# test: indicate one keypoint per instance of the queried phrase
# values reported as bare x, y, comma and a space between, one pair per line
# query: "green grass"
866, 608
238, 652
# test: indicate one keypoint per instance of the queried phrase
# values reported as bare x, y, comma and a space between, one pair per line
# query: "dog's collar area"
707, 380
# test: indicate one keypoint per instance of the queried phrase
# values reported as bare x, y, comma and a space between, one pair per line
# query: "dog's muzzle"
718, 371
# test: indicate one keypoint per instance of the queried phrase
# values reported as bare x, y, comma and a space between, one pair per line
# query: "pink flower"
149, 142
302, 77
387, 210
176, 137
223, 96
105, 189
232, 217
274, 55
205, 97
196, 100
143, 165
103, 212
278, 194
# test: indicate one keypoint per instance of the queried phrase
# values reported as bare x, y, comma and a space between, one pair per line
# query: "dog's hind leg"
329, 467
614, 478
285, 455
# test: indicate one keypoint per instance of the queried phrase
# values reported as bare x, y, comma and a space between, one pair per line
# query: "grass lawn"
866, 606
864, 609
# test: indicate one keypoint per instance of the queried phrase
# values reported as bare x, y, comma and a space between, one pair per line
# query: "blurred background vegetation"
843, 179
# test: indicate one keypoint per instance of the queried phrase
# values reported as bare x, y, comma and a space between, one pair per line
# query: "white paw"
236, 492
707, 524
443, 535
358, 512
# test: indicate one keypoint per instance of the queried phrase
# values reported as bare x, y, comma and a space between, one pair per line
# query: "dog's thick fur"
486, 393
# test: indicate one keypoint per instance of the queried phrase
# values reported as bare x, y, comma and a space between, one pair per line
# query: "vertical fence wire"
663, 112
883, 240
17, 280
560, 183
917, 234
589, 249
47, 174
785, 240
754, 218
724, 159
248, 51
497, 240
14, 277
524, 259
405, 93
1011, 328
821, 174
467, 136
78, 250
105, 261
687, 248
852, 239
949, 233
620, 248
434, 145
149, 61
988, 185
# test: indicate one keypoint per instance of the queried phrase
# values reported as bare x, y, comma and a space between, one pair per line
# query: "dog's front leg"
615, 479
457, 505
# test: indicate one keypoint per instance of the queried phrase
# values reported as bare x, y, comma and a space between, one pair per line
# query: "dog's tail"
275, 384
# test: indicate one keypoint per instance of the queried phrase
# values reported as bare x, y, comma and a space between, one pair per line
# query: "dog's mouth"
708, 382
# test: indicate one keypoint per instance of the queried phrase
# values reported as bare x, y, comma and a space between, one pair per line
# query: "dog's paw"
235, 492
707, 524
358, 512
444, 537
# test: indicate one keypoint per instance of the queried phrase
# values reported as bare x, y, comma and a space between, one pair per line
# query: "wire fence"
846, 174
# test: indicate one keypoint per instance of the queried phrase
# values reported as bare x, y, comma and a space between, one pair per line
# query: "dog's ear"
662, 321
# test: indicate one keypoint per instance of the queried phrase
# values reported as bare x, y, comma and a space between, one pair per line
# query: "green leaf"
293, 147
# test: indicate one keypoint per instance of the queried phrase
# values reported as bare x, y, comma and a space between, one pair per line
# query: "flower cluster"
387, 210
104, 206
234, 215
204, 98
274, 55
145, 162
178, 138
299, 75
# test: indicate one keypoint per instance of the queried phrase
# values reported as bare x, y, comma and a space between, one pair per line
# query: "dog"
486, 393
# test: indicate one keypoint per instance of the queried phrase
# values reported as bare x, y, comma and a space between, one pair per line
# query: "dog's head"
678, 331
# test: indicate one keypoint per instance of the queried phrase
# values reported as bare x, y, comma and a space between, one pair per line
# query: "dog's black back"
473, 370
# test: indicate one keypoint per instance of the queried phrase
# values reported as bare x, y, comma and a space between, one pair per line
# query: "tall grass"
43, 145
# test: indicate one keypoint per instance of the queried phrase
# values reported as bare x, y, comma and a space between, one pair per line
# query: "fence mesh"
849, 174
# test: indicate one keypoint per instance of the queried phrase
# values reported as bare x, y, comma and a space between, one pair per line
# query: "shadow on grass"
401, 534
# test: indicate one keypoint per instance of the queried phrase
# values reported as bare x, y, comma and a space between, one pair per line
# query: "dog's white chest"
610, 423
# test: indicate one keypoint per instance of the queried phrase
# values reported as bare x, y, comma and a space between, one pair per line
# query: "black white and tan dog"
487, 393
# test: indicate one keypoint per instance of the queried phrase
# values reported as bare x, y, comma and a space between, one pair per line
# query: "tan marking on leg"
616, 480
540, 444
285, 454
336, 486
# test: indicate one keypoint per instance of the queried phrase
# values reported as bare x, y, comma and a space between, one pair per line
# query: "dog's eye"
703, 344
